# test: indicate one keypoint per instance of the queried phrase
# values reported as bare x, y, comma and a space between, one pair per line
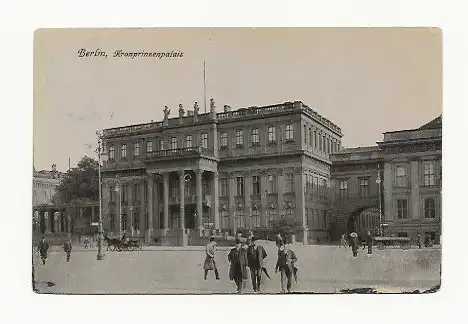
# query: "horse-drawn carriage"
116, 244
382, 242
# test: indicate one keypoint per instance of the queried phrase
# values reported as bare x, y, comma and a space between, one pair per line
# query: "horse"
112, 243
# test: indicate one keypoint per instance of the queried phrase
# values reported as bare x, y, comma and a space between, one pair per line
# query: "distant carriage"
116, 244
403, 242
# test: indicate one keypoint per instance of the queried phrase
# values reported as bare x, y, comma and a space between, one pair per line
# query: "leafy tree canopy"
286, 224
80, 184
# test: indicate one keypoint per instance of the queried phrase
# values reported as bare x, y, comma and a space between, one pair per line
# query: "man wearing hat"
255, 255
238, 268
210, 263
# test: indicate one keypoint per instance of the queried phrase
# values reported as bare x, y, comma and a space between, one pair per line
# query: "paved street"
163, 270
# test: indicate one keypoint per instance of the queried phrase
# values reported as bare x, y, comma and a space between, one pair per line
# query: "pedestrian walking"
255, 255
279, 240
344, 241
419, 240
86, 242
238, 268
354, 243
369, 240
210, 263
67, 247
43, 247
285, 264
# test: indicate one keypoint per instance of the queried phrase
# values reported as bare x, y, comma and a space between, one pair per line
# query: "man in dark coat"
238, 268
255, 255
354, 243
42, 248
285, 264
67, 247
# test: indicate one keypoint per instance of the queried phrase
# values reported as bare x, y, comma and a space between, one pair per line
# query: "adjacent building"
220, 171
44, 184
408, 164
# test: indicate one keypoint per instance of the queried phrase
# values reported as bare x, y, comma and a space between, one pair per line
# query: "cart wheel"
119, 248
112, 248
380, 246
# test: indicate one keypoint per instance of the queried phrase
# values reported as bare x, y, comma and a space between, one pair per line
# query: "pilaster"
215, 207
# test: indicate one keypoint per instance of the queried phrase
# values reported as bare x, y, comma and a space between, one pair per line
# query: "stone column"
131, 208
232, 205
183, 241
388, 182
166, 201
280, 189
182, 199
142, 207
263, 199
56, 221
414, 203
300, 185
199, 193
215, 204
247, 204
150, 210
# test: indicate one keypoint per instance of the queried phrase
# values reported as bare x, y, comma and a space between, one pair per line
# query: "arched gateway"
363, 219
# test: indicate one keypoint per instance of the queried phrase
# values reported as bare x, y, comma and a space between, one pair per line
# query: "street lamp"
379, 181
102, 156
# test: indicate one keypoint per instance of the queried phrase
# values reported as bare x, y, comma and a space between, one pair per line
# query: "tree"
286, 224
80, 184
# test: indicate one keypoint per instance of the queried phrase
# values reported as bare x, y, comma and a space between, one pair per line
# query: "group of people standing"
251, 255
43, 248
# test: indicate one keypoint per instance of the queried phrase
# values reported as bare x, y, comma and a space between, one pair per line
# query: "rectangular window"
112, 222
270, 216
429, 173
364, 187
204, 140
289, 132
255, 219
343, 189
239, 137
320, 141
310, 137
289, 182
136, 149
161, 145
123, 189
188, 141
272, 134
255, 136
111, 152
173, 143
224, 140
225, 219
305, 134
324, 148
123, 151
315, 139
271, 184
402, 208
429, 207
256, 185
224, 187
401, 177
149, 147
240, 186
240, 219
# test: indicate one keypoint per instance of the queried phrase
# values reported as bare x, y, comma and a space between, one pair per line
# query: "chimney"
227, 108
189, 113
54, 168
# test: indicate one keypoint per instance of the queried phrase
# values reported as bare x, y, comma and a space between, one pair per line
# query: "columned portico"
181, 199
149, 230
198, 184
166, 202
215, 195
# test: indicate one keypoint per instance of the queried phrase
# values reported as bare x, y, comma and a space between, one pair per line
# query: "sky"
366, 80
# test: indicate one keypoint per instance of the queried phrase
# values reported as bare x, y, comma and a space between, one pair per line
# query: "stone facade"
219, 172
44, 184
409, 163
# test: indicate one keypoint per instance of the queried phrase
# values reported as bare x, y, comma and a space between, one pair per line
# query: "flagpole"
204, 84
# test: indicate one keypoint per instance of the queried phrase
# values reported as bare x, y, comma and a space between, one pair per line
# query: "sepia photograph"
172, 161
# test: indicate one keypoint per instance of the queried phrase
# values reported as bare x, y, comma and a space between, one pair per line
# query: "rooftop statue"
167, 111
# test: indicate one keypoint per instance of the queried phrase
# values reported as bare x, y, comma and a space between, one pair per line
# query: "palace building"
174, 179
409, 166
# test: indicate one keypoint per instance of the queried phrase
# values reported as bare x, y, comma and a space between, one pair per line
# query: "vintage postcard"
237, 160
